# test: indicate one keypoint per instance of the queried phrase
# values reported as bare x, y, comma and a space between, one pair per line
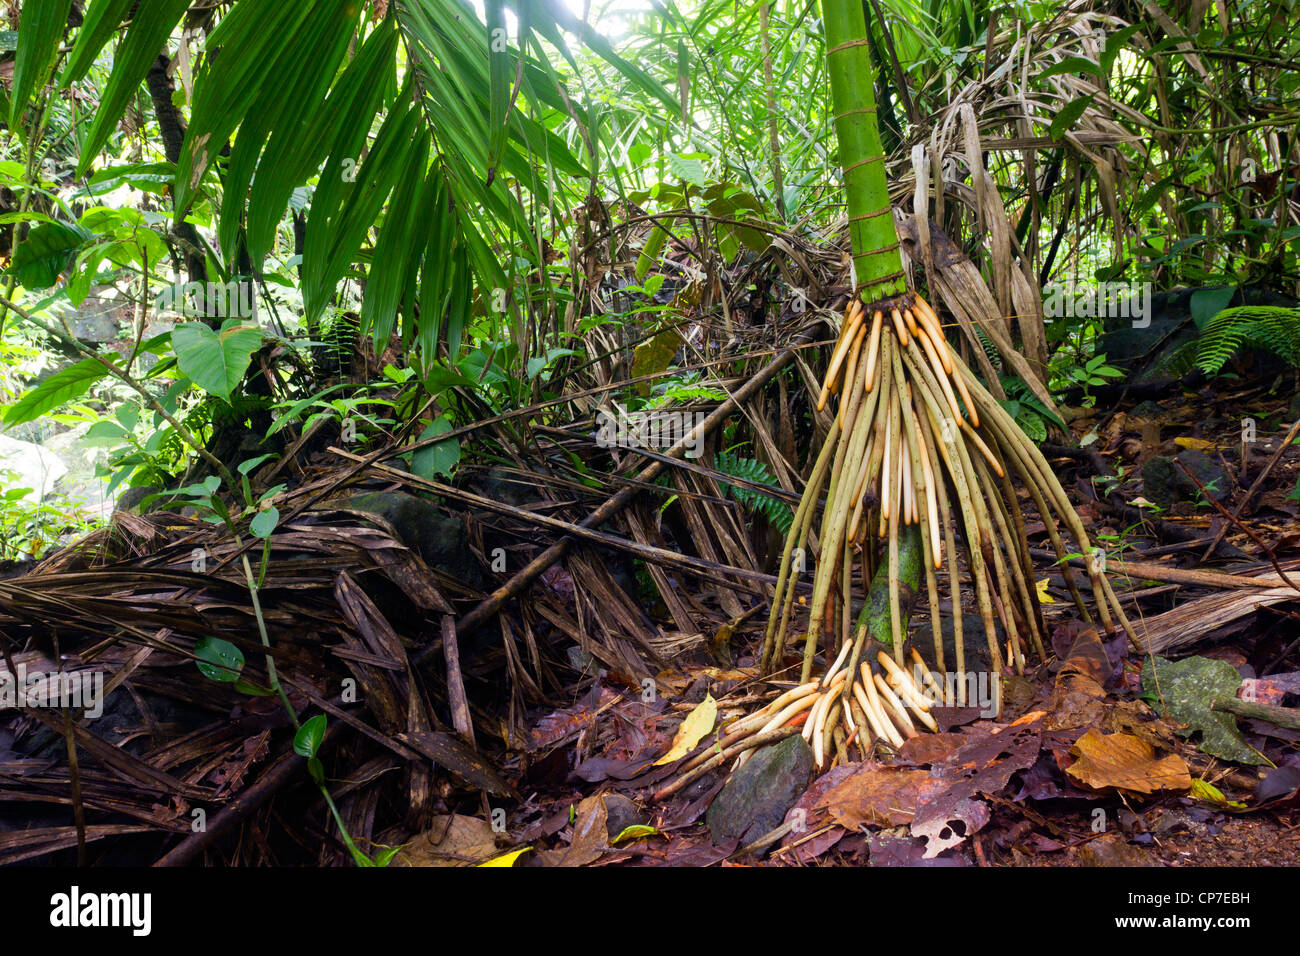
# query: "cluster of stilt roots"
918, 449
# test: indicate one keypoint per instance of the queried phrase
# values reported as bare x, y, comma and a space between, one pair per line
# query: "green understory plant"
223, 662
1274, 329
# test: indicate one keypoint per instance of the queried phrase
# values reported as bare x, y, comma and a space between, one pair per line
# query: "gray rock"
500, 485
1164, 483
96, 329
101, 317
621, 813
1147, 410
440, 540
975, 643
757, 797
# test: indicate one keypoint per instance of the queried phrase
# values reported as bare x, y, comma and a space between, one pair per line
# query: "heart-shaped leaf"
215, 361
439, 458
264, 523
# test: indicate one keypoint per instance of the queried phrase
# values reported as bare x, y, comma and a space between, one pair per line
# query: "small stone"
621, 813
757, 797
1164, 482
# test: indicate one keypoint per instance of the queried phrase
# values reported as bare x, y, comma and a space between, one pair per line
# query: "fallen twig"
1287, 717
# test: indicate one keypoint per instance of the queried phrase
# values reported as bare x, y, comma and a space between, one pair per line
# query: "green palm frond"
427, 139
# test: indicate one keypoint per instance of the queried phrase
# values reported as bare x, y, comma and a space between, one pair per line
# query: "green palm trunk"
873, 238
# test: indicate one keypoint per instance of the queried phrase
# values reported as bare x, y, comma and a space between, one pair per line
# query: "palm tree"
916, 440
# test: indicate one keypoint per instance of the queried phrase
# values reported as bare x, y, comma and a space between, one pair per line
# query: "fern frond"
748, 469
774, 509
685, 394
1274, 329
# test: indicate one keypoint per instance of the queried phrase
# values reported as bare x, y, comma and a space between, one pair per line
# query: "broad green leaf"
292, 156
215, 361
653, 248
150, 27
146, 177
439, 458
307, 62
244, 687
1071, 64
218, 660
47, 252
391, 263
252, 40
58, 389
1185, 690
246, 467
102, 20
264, 523
344, 211
560, 15
103, 433
29, 216
1116, 42
499, 61
1064, 121
85, 271
1205, 304
306, 742
690, 170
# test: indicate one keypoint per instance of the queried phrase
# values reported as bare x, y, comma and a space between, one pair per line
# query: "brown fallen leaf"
1136, 718
878, 796
590, 836
929, 748
949, 813
1078, 697
1125, 762
451, 840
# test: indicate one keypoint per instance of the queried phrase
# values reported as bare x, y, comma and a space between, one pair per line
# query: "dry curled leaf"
1125, 762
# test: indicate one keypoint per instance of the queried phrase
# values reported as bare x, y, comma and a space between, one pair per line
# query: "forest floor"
1101, 756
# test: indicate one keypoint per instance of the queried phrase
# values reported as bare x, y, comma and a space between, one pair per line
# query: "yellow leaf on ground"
1043, 596
1212, 794
693, 729
1200, 444
1125, 762
634, 832
507, 859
